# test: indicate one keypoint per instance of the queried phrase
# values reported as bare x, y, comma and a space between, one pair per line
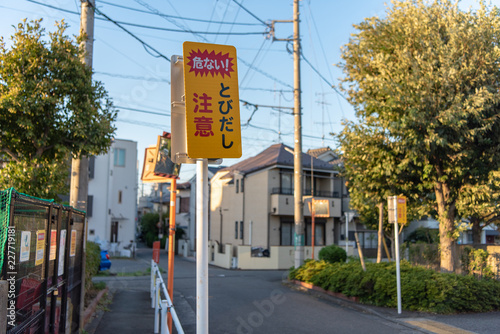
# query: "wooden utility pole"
79, 184
297, 160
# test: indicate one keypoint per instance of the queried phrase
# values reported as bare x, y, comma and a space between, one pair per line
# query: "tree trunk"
446, 211
380, 231
476, 230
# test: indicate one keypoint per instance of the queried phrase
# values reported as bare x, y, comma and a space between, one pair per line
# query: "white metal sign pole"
202, 246
396, 246
347, 232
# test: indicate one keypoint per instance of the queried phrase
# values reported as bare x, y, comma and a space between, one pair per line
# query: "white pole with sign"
202, 246
393, 213
212, 131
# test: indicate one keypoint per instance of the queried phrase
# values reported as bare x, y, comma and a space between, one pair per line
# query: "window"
119, 157
236, 230
119, 196
287, 183
287, 229
90, 203
91, 166
183, 204
319, 235
237, 186
242, 185
241, 229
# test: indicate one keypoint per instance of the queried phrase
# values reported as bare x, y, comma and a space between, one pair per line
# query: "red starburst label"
204, 63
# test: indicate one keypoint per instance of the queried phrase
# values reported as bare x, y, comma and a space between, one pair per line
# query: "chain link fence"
42, 262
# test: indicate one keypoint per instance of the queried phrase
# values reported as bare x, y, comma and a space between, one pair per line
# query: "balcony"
306, 192
282, 203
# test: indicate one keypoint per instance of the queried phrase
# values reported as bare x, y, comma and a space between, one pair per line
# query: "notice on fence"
40, 247
53, 244
72, 250
25, 246
62, 244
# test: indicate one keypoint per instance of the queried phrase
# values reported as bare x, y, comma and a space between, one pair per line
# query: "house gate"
41, 264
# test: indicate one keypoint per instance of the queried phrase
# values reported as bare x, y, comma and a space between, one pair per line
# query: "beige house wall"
281, 257
257, 208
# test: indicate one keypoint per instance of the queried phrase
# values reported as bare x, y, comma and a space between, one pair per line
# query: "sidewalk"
129, 313
130, 310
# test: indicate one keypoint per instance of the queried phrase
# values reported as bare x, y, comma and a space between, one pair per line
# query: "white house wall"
125, 181
98, 227
108, 181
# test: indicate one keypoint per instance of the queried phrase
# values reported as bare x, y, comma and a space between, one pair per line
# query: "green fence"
42, 263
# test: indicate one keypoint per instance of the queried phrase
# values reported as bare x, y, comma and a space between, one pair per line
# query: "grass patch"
92, 291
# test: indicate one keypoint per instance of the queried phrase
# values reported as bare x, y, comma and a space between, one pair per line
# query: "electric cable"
265, 74
252, 14
175, 17
321, 76
133, 77
143, 111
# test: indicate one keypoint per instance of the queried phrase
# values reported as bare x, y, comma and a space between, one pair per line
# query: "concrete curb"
90, 310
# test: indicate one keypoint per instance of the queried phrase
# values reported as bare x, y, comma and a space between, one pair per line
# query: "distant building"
112, 202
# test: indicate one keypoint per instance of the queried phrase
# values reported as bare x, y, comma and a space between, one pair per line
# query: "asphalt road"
246, 302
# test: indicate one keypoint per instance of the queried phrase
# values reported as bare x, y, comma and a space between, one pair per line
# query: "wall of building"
114, 191
257, 202
99, 189
281, 257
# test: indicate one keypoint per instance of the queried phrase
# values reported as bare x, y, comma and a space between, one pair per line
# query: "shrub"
421, 289
475, 262
92, 260
332, 254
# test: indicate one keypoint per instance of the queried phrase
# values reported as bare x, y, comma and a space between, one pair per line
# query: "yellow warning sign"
212, 101
401, 210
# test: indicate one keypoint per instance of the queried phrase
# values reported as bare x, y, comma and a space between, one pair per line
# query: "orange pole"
171, 237
312, 227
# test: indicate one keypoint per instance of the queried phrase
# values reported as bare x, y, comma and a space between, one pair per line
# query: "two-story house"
252, 209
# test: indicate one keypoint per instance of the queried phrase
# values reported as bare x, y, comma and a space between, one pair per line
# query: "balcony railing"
306, 192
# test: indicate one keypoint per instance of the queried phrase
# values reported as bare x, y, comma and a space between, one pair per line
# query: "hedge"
421, 289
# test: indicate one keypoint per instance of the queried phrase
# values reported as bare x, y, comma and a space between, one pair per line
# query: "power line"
136, 122
133, 77
252, 14
319, 38
154, 10
321, 76
175, 17
265, 74
144, 44
143, 111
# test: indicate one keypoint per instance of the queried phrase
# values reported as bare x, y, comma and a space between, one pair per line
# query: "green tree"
480, 203
50, 108
371, 168
428, 74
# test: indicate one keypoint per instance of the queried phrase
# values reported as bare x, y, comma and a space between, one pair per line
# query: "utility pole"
79, 183
297, 160
297, 151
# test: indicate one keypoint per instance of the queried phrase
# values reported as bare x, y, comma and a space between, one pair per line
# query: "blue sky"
137, 77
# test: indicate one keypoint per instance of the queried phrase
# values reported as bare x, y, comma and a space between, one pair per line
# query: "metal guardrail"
162, 306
